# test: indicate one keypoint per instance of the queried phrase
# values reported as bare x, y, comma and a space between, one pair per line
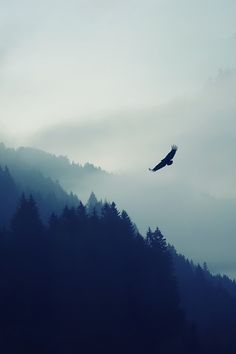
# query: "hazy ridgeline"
35, 169
79, 278
149, 198
115, 84
17, 177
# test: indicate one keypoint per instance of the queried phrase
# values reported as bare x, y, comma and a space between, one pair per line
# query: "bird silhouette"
167, 160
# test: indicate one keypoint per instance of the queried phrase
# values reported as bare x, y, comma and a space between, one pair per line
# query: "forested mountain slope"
88, 282
72, 176
49, 195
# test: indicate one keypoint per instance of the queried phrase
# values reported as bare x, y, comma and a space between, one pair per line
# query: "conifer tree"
26, 223
91, 203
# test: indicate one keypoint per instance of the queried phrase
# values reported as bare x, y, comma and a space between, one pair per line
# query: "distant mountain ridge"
100, 246
72, 176
37, 172
17, 177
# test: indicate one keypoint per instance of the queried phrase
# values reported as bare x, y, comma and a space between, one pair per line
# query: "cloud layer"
204, 129
73, 60
193, 201
116, 83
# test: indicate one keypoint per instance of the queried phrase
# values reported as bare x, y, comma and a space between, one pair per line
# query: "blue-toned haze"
116, 83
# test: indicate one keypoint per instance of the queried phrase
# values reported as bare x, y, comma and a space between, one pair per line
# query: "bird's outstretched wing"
171, 154
167, 160
159, 166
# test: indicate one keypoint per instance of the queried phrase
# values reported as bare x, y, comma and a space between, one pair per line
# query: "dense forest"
81, 279
86, 284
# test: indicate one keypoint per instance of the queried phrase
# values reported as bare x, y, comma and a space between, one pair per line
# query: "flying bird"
167, 160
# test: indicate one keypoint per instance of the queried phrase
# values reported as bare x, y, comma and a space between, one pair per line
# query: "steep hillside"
17, 177
72, 176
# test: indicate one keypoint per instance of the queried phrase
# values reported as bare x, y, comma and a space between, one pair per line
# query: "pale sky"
65, 61
116, 83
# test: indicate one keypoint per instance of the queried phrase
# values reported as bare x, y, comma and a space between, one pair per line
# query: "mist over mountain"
72, 176
130, 140
17, 177
95, 256
151, 199
201, 217
98, 255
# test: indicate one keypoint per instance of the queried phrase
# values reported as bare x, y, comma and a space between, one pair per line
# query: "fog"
115, 84
192, 201
131, 141
81, 60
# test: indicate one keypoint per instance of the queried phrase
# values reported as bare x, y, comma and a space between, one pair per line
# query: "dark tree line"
87, 284
209, 302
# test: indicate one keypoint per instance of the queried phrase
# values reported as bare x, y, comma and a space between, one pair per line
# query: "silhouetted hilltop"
17, 177
72, 176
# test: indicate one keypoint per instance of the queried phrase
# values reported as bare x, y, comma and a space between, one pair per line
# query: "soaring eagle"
167, 160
